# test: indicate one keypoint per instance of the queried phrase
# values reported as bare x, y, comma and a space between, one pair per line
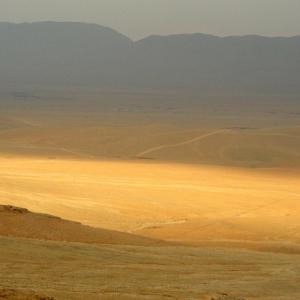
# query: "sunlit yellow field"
223, 186
162, 200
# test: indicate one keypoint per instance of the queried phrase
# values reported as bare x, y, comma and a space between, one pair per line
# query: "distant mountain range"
54, 53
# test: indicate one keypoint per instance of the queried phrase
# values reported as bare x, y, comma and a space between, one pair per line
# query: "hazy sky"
139, 18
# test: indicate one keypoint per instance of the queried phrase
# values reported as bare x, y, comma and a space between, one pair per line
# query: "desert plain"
199, 201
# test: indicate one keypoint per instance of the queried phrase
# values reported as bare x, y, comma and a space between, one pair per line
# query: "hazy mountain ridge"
54, 53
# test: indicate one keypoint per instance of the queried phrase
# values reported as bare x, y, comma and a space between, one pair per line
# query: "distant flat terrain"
167, 201
166, 166
226, 131
217, 176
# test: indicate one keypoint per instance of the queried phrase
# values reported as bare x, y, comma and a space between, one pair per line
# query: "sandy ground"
220, 174
77, 271
167, 201
12, 294
19, 222
260, 132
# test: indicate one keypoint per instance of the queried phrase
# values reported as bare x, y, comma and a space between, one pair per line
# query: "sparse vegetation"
116, 272
11, 294
227, 297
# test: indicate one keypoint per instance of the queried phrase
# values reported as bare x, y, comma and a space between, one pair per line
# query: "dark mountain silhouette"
51, 53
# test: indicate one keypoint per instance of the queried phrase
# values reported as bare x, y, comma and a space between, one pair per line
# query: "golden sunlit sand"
160, 167
175, 201
161, 200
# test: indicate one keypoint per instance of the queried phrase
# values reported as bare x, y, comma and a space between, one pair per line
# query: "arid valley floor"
176, 202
